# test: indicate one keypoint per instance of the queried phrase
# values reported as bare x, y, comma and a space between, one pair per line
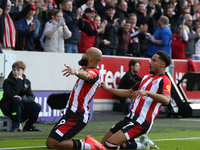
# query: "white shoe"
149, 142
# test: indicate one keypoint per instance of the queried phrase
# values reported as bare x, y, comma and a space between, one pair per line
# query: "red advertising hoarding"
113, 68
180, 67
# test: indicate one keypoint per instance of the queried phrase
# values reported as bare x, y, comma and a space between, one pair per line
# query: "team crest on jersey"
91, 72
154, 81
168, 87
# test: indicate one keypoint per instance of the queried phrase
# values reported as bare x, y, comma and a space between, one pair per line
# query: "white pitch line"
189, 119
22, 147
176, 139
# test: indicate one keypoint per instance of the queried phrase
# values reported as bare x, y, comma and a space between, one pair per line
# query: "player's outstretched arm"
117, 92
79, 73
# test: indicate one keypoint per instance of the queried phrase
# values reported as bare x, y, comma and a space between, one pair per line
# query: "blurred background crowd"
118, 27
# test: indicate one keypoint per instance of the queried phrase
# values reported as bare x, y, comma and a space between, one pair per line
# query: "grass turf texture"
168, 134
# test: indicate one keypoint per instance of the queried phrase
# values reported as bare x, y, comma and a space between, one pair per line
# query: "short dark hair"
19, 65
132, 63
197, 20
140, 3
65, 1
164, 57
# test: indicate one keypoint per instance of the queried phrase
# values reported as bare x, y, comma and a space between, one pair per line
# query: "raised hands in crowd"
147, 15
1, 11
32, 26
79, 14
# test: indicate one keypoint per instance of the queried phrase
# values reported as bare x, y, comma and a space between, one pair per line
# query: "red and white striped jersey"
9, 37
83, 93
144, 109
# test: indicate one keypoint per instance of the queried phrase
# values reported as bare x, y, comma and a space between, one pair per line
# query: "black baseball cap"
110, 6
89, 10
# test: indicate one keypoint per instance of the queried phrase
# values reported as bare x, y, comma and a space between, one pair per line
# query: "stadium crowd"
136, 28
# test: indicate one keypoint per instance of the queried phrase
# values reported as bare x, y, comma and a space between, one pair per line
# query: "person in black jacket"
173, 15
75, 24
111, 30
18, 99
130, 78
100, 6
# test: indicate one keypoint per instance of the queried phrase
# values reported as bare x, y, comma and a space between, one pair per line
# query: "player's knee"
50, 144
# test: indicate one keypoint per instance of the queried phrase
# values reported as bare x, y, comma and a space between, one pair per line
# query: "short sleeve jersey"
144, 109
83, 93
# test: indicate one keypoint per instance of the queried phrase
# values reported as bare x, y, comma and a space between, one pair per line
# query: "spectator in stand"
18, 99
88, 4
7, 26
196, 9
51, 13
142, 19
102, 42
56, 32
76, 4
42, 16
90, 32
125, 37
154, 8
13, 6
49, 4
134, 46
27, 29
173, 10
112, 2
130, 78
161, 39
174, 16
122, 11
111, 31
20, 5
196, 55
193, 37
179, 42
100, 6
75, 24
186, 10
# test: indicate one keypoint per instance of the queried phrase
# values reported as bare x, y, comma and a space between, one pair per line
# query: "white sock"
85, 145
139, 145
110, 145
137, 140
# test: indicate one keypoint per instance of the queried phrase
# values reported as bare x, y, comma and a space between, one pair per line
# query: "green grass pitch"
168, 134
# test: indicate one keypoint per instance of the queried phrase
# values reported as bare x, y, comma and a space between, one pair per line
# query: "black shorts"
130, 128
68, 126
